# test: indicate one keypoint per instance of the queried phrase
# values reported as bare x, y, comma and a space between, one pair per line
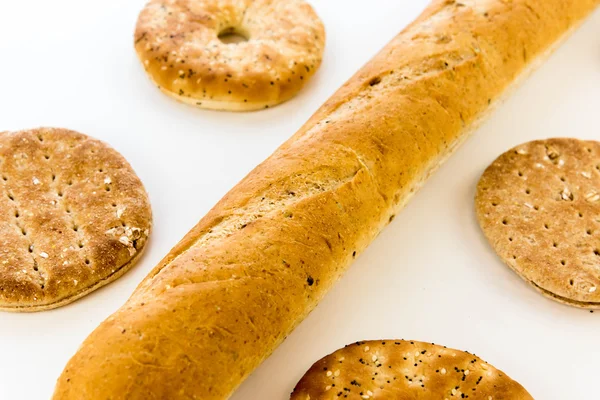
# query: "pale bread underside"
539, 206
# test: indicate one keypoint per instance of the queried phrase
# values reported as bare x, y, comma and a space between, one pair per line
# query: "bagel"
180, 44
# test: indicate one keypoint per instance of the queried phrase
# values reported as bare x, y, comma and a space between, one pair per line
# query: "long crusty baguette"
219, 303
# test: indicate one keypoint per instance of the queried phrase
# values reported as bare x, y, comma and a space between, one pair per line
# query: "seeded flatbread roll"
399, 369
539, 206
73, 217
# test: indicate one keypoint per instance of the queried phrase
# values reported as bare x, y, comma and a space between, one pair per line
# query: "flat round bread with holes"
539, 206
74, 217
405, 370
181, 45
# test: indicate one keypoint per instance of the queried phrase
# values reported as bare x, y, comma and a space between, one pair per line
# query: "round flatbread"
405, 370
539, 206
74, 217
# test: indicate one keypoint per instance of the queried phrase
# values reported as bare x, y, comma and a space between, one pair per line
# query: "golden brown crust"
74, 217
259, 262
401, 369
539, 206
178, 43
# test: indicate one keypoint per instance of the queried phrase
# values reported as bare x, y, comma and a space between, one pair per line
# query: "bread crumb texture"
74, 217
539, 206
179, 44
401, 369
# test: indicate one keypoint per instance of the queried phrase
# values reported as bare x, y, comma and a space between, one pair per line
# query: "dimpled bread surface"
74, 217
539, 206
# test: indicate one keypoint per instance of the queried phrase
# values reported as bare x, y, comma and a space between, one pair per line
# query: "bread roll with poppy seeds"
405, 370
240, 281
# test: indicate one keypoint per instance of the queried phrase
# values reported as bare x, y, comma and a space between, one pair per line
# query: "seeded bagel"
178, 41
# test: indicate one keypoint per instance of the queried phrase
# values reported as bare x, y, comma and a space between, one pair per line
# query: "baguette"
240, 281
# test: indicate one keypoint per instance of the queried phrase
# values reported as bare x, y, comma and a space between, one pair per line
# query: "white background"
430, 276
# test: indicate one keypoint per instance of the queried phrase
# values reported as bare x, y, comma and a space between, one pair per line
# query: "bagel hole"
232, 35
